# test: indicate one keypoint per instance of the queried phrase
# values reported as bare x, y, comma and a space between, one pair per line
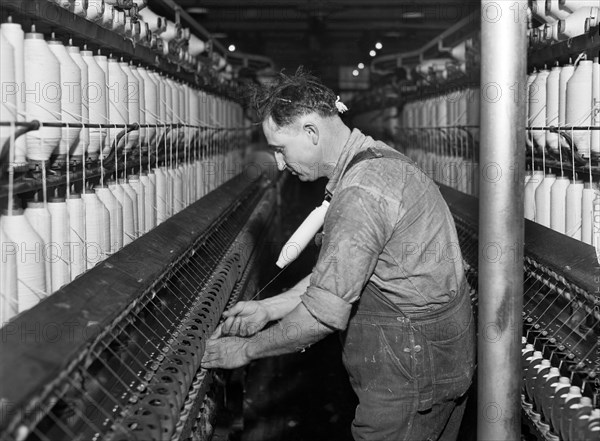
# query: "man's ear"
312, 131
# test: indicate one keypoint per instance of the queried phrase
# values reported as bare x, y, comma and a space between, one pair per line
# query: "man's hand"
245, 319
225, 352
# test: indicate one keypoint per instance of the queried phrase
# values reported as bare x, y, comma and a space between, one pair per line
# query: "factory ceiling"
324, 35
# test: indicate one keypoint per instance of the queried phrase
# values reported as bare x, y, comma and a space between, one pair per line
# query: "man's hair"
291, 96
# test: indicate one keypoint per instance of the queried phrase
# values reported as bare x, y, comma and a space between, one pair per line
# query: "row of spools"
562, 19
133, 19
47, 81
440, 133
563, 97
187, 144
555, 405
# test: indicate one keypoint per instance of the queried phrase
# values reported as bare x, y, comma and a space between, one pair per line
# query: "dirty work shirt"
387, 222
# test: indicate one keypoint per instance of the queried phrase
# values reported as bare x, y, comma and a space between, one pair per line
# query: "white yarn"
9, 299
40, 220
70, 82
42, 96
115, 211
149, 200
558, 204
128, 209
8, 104
21, 240
141, 104
60, 253
574, 199
96, 95
118, 105
95, 10
133, 105
14, 35
76, 210
579, 105
84, 136
97, 229
136, 188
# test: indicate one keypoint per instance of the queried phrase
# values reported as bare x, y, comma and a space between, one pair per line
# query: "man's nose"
280, 161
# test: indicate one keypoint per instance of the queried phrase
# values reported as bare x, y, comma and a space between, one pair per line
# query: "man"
389, 276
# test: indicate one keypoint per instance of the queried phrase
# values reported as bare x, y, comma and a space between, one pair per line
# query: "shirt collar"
356, 142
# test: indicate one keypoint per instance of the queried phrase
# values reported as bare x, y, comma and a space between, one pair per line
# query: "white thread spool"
528, 115
75, 208
9, 299
170, 32
149, 201
529, 198
579, 105
552, 97
39, 218
8, 104
553, 8
537, 107
14, 35
302, 236
155, 23
141, 105
95, 10
170, 191
587, 213
108, 16
118, 105
574, 198
84, 136
538, 9
42, 76
70, 103
196, 46
578, 22
595, 144
96, 95
118, 23
558, 204
21, 239
150, 104
199, 175
543, 200
79, 7
60, 256
133, 106
161, 195
127, 206
136, 186
178, 198
115, 211
574, 5
132, 194
97, 229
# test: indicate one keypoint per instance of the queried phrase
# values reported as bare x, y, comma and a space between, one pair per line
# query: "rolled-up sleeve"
358, 224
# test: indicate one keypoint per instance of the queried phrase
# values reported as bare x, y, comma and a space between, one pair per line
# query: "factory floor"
302, 396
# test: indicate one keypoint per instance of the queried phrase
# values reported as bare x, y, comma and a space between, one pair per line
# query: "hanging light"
231, 48
361, 65
372, 53
378, 46
355, 72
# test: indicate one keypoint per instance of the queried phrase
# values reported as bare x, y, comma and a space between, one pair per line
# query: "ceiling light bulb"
231, 48
355, 72
372, 53
378, 45
361, 65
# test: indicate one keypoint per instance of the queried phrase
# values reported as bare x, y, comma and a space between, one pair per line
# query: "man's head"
300, 120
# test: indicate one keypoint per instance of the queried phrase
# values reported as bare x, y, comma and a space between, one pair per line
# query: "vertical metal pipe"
502, 162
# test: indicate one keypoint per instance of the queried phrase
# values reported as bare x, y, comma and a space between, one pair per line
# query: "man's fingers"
218, 332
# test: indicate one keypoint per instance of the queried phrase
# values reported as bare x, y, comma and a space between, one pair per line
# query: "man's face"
295, 148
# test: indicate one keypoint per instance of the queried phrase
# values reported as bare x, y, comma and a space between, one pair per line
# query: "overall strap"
369, 153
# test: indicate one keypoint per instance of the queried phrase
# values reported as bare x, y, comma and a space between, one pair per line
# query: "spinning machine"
128, 219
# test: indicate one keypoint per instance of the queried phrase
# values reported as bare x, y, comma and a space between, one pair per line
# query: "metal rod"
501, 228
